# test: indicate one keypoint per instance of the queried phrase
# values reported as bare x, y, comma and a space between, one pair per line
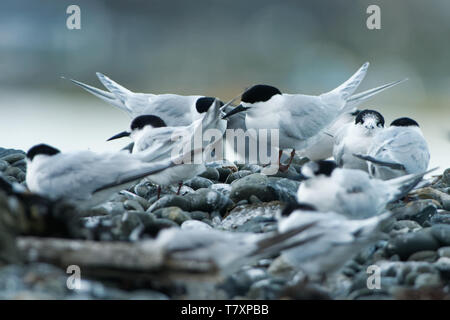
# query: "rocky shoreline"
413, 255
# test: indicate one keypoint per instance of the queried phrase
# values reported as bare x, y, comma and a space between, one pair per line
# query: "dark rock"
406, 244
172, 213
285, 189
210, 174
254, 184
442, 233
223, 174
198, 182
237, 175
419, 211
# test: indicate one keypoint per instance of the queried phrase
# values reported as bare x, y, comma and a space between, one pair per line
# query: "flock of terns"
341, 204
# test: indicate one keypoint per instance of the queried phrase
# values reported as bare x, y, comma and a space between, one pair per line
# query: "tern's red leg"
284, 168
180, 184
159, 192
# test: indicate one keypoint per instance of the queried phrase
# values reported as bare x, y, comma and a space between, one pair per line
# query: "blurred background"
215, 48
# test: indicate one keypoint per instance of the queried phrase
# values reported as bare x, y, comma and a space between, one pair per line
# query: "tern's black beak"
119, 135
238, 109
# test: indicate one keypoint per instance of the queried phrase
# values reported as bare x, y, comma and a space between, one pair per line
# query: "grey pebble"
444, 252
406, 244
133, 205
420, 211
172, 213
254, 184
11, 158
210, 174
237, 175
223, 174
198, 182
3, 165
442, 233
426, 255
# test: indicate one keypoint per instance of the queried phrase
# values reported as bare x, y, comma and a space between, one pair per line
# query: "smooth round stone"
285, 189
237, 175
198, 183
443, 265
210, 174
441, 217
427, 280
12, 171
11, 158
254, 184
21, 164
254, 168
444, 252
162, 223
426, 255
172, 213
199, 215
223, 174
241, 203
280, 266
238, 283
133, 205
254, 199
442, 233
195, 225
420, 210
208, 200
171, 201
3, 165
143, 190
266, 289
223, 188
21, 176
406, 244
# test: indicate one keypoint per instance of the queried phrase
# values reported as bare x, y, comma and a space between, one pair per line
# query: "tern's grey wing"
339, 145
175, 110
77, 175
303, 116
407, 148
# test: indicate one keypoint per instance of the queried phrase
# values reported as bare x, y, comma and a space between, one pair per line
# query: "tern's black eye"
142, 121
404, 122
202, 105
365, 114
259, 93
44, 149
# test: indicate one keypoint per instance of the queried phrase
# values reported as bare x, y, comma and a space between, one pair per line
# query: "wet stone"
254, 184
406, 244
223, 174
210, 174
426, 255
237, 175
198, 183
442, 233
172, 213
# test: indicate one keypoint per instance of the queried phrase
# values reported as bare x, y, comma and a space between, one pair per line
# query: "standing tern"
301, 118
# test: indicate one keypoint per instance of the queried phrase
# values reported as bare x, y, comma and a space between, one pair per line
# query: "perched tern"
340, 238
176, 110
301, 118
351, 192
84, 178
356, 137
398, 150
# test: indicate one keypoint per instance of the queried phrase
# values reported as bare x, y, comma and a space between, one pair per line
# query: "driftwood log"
117, 261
